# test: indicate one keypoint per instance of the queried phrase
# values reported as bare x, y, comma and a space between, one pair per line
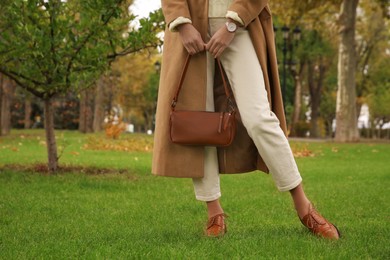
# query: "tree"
86, 108
98, 114
379, 97
314, 53
150, 96
318, 55
95, 103
52, 47
373, 32
136, 92
27, 113
379, 108
7, 90
22, 109
328, 101
298, 11
346, 118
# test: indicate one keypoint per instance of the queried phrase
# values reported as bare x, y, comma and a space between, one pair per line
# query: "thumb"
207, 46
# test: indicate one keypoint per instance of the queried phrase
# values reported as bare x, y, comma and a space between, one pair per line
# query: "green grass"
135, 215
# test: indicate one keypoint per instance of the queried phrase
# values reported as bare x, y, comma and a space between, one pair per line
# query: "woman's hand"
219, 41
191, 38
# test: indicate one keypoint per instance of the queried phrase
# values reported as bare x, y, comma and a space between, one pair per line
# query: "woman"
240, 34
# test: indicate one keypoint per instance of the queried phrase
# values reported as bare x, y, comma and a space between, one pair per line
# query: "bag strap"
183, 73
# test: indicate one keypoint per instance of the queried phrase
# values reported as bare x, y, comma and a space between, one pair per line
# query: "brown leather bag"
202, 128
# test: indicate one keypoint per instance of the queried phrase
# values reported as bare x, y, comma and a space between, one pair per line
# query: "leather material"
319, 226
216, 226
202, 128
172, 160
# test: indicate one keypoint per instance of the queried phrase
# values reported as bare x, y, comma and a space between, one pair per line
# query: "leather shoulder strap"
223, 79
183, 73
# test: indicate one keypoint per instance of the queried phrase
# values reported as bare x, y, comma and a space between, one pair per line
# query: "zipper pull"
227, 121
220, 122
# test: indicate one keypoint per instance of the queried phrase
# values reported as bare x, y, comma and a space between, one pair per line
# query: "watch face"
231, 27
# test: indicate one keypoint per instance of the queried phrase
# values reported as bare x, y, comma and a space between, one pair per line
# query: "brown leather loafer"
319, 226
216, 226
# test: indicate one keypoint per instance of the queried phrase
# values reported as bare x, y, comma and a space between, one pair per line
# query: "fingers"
191, 39
219, 42
193, 42
215, 48
219, 52
194, 47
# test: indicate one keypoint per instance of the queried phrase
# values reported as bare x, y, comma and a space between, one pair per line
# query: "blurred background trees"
85, 62
312, 71
58, 49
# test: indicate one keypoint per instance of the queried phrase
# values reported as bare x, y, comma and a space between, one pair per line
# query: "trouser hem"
291, 186
208, 198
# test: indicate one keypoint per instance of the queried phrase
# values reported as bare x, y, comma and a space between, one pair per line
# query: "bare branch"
52, 47
130, 50
15, 74
6, 51
84, 42
21, 84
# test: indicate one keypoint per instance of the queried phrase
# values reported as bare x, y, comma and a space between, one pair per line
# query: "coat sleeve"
248, 10
173, 9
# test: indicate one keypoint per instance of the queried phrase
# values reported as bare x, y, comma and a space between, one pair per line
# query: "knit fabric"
218, 8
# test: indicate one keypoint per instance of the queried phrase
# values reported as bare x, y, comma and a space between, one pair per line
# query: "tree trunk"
8, 89
316, 76
85, 124
98, 117
329, 130
346, 118
315, 105
1, 98
297, 101
50, 137
148, 116
83, 107
27, 113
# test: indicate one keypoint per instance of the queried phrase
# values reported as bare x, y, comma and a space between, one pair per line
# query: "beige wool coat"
242, 156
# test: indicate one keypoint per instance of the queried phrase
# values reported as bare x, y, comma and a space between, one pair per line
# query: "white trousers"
246, 79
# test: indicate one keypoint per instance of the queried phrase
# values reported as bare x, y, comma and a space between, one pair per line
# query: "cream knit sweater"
217, 9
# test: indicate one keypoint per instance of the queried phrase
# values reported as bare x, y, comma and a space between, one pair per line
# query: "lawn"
124, 212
